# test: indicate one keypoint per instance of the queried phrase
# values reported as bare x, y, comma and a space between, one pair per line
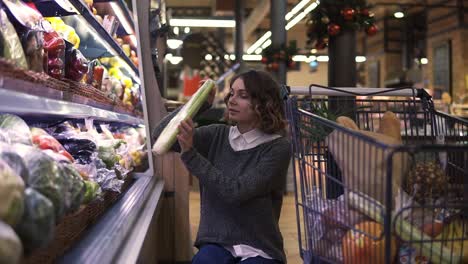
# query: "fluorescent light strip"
122, 19
266, 44
259, 42
250, 57
296, 9
216, 23
301, 15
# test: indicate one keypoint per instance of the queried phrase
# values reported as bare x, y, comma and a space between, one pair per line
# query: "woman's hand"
185, 135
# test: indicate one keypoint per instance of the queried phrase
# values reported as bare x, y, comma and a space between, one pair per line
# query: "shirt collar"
249, 136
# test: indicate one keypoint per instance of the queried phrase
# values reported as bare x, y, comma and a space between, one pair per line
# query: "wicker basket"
37, 83
72, 226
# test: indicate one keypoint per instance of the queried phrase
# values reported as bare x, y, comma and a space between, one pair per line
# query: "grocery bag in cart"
380, 176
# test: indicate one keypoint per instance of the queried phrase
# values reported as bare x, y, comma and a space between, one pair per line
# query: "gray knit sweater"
241, 192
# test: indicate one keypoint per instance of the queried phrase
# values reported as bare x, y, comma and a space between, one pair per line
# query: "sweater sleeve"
269, 174
165, 121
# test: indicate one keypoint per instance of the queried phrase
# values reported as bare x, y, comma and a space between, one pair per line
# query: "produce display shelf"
125, 10
121, 231
27, 104
92, 21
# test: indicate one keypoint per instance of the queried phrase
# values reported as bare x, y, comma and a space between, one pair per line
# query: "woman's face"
240, 105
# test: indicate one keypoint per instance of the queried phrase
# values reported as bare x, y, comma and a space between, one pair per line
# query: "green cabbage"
37, 226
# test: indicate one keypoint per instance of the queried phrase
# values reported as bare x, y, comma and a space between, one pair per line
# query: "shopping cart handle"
320, 90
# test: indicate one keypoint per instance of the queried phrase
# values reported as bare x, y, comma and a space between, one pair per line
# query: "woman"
242, 173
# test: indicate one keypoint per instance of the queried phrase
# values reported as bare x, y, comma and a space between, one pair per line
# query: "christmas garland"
331, 17
273, 56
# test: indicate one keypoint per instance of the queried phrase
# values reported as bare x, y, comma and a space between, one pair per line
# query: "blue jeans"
216, 254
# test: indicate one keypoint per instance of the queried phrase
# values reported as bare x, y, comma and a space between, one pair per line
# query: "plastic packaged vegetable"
28, 25
10, 43
54, 46
76, 64
16, 163
16, 129
37, 226
10, 245
11, 195
46, 142
44, 177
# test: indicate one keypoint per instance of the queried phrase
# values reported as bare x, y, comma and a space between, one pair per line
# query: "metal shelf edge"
21, 103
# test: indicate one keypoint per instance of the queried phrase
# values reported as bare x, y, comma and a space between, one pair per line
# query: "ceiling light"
250, 57
313, 51
186, 30
174, 43
123, 20
296, 9
266, 44
208, 57
226, 57
175, 60
176, 30
424, 61
399, 14
232, 56
258, 51
322, 58
259, 42
216, 23
360, 58
299, 58
312, 58
301, 15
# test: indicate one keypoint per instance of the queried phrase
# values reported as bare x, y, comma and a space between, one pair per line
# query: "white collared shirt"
240, 142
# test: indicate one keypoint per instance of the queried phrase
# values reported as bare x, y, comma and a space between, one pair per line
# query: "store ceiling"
257, 15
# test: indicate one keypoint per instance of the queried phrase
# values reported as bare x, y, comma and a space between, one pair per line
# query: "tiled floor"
287, 225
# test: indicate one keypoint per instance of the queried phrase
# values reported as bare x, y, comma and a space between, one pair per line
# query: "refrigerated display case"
120, 227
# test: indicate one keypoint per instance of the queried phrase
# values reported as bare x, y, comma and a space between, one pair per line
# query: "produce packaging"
76, 65
54, 46
12, 195
11, 248
28, 24
169, 135
37, 226
44, 177
10, 44
15, 130
16, 163
366, 245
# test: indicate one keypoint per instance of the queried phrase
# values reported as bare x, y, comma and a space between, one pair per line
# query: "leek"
169, 134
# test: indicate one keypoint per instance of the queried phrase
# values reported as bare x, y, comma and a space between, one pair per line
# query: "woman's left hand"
185, 135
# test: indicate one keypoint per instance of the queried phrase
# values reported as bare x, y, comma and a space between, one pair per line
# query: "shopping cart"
381, 196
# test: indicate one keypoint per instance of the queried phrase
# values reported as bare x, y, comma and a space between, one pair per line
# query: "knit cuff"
188, 155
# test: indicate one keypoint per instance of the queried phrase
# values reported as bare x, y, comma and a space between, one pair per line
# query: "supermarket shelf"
119, 235
124, 10
27, 104
52, 8
103, 34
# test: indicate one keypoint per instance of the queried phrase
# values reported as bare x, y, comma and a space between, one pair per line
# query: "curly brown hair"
264, 92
